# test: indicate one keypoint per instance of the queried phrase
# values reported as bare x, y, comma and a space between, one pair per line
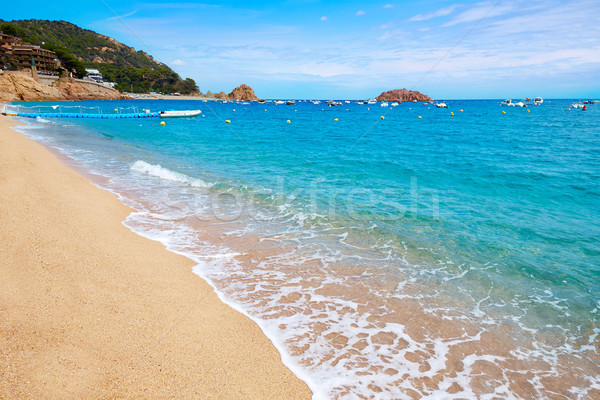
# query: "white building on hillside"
95, 76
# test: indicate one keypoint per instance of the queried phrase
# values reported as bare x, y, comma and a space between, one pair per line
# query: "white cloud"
388, 6
323, 18
179, 62
122, 16
326, 70
434, 14
480, 11
360, 12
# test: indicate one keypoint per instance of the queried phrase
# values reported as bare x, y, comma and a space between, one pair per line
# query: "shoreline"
91, 309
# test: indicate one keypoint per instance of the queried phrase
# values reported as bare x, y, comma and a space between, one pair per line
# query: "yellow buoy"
335, 119
503, 112
451, 113
461, 110
419, 117
234, 110
288, 121
227, 121
382, 117
162, 123
265, 109
569, 108
527, 110
116, 109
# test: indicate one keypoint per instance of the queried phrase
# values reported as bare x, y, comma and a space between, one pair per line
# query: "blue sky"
356, 49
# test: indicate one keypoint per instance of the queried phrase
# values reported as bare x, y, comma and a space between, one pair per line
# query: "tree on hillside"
68, 62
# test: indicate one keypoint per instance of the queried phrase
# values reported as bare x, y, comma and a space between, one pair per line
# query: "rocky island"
242, 92
403, 95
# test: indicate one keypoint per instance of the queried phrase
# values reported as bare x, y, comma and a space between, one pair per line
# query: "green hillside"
78, 48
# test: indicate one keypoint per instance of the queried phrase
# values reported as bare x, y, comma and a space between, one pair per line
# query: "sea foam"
143, 167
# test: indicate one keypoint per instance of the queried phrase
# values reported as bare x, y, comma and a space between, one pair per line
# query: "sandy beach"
88, 309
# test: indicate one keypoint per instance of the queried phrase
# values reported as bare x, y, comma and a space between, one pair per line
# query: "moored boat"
179, 113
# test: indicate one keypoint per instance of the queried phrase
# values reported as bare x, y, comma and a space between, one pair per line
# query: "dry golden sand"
90, 310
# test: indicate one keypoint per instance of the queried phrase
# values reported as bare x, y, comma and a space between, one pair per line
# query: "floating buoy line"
130, 112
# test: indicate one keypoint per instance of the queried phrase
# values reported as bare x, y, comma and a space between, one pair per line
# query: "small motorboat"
441, 105
394, 104
179, 113
537, 101
507, 103
290, 102
384, 104
577, 105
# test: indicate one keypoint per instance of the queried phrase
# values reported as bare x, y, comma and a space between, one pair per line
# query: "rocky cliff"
14, 87
402, 95
243, 92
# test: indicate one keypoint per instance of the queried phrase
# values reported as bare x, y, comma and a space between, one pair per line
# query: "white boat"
394, 104
179, 113
441, 105
384, 104
347, 101
537, 101
520, 104
279, 102
371, 101
577, 105
507, 103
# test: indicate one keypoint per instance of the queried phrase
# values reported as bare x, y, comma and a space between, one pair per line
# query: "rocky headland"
403, 95
18, 87
242, 92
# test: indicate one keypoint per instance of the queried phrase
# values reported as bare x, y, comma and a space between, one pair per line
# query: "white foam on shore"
143, 167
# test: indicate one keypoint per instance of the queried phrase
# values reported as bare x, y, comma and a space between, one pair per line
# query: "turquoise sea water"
441, 257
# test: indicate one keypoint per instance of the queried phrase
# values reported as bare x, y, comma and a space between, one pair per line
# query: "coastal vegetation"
78, 48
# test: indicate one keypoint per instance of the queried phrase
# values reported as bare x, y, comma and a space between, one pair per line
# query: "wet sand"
89, 309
